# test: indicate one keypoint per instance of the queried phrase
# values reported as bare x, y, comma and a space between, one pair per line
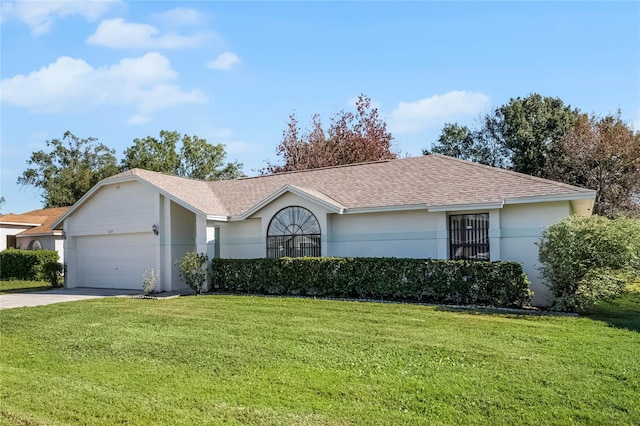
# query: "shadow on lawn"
621, 312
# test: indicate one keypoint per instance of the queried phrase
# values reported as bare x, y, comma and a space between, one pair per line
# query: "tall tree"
69, 169
202, 160
530, 130
522, 135
1, 204
602, 154
352, 137
196, 158
158, 155
461, 142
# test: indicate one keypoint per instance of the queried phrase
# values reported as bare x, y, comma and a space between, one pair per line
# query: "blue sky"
232, 72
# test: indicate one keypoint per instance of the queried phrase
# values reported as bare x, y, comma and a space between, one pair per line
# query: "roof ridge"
506, 171
338, 166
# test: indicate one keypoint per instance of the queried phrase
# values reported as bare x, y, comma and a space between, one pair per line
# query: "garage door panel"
114, 261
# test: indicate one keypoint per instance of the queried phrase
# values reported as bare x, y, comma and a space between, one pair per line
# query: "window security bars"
293, 232
469, 236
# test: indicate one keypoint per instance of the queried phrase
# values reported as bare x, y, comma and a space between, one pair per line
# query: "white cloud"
118, 34
415, 116
40, 15
224, 61
180, 17
145, 83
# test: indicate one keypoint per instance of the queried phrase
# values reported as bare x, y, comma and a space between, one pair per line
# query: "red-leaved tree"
352, 137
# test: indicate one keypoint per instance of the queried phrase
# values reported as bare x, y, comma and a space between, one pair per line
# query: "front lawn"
251, 360
19, 286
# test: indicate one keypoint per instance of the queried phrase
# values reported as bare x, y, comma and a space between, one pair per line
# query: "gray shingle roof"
432, 181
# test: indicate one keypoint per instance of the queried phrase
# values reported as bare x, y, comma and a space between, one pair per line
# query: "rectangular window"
469, 236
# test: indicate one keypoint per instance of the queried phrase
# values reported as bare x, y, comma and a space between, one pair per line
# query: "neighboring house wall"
7, 229
48, 242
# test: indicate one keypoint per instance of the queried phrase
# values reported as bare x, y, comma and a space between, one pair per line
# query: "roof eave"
333, 208
41, 234
587, 194
385, 209
465, 207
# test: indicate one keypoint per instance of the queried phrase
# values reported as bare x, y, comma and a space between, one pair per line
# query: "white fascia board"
218, 218
283, 190
385, 209
41, 234
463, 207
20, 224
586, 195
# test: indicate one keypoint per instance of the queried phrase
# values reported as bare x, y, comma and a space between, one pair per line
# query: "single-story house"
424, 207
32, 230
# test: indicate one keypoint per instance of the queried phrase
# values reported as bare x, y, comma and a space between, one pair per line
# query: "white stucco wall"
183, 240
124, 209
393, 234
242, 240
520, 228
115, 209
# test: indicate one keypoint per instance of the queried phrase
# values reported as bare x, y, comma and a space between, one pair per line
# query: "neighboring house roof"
40, 220
432, 181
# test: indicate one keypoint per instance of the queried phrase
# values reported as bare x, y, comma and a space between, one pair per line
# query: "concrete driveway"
47, 297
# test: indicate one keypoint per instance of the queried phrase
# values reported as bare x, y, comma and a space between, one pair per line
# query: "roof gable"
306, 193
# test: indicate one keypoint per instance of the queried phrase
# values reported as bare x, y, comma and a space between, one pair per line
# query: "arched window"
294, 232
35, 245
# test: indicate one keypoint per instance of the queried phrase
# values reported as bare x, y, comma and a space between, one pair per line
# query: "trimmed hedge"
438, 281
26, 264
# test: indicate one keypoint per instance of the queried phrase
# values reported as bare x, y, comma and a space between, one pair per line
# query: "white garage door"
114, 261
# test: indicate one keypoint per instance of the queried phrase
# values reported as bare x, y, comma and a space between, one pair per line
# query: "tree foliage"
1, 204
196, 158
602, 154
541, 136
471, 145
69, 169
522, 135
350, 138
149, 153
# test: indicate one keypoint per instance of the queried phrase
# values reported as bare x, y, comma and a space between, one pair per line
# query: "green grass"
19, 286
250, 360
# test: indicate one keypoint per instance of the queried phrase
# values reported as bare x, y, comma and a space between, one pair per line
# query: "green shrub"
53, 272
25, 264
585, 260
193, 269
439, 281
